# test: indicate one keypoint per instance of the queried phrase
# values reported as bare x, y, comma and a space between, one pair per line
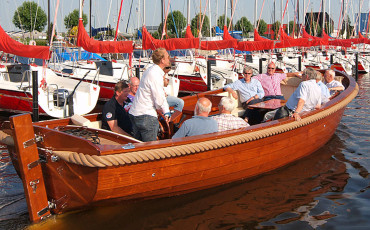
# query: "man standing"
200, 123
227, 121
149, 97
270, 82
306, 97
332, 84
251, 92
114, 117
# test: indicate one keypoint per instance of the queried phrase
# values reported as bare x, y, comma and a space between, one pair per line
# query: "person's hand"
167, 116
235, 95
296, 116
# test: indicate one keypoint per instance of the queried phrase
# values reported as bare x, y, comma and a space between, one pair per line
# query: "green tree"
262, 27
29, 16
314, 29
195, 25
71, 19
180, 22
275, 27
244, 25
221, 21
296, 28
346, 27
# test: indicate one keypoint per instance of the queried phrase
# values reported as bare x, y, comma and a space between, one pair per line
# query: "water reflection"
241, 205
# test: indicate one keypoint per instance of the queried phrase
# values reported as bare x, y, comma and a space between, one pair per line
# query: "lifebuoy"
32, 43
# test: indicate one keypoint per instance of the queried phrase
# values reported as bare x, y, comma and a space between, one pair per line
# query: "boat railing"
28, 79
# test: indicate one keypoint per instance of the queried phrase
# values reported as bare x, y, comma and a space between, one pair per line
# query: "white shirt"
150, 94
333, 84
308, 91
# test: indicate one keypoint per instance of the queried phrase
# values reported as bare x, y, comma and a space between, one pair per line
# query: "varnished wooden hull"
182, 165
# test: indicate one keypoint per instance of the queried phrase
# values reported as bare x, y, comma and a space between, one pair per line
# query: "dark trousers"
266, 98
253, 115
282, 112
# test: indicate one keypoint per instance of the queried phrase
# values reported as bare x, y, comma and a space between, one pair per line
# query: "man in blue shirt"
200, 123
251, 92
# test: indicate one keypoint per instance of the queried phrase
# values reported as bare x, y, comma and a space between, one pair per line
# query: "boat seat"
81, 121
238, 111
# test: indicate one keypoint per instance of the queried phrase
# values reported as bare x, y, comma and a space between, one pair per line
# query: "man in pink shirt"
270, 82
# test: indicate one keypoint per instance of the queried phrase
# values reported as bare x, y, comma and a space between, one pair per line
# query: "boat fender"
80, 120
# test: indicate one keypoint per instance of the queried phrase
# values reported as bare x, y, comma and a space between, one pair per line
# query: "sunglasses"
248, 73
270, 68
167, 67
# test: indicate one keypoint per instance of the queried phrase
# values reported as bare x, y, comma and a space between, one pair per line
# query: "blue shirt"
247, 90
324, 89
197, 125
308, 91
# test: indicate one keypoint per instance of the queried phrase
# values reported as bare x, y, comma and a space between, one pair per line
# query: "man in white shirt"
149, 98
306, 97
332, 84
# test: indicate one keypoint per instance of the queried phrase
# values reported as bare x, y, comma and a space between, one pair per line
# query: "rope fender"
180, 150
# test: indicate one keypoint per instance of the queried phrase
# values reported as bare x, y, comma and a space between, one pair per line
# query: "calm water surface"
327, 190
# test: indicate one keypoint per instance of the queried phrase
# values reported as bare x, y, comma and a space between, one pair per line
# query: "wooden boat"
65, 167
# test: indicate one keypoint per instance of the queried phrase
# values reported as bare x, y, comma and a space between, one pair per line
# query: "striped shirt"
271, 84
229, 122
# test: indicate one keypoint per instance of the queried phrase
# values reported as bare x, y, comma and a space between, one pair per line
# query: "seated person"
332, 84
134, 85
200, 123
325, 94
172, 101
306, 97
270, 82
227, 121
251, 92
114, 116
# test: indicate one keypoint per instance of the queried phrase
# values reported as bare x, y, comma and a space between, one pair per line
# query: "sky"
106, 11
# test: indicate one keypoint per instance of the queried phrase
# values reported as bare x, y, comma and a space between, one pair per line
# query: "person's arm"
232, 92
295, 74
299, 108
260, 91
338, 88
113, 125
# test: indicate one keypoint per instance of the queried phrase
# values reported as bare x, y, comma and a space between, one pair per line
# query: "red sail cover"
218, 45
188, 33
257, 37
255, 45
170, 44
94, 46
8, 45
226, 35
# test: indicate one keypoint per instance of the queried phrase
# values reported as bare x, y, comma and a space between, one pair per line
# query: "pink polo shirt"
271, 84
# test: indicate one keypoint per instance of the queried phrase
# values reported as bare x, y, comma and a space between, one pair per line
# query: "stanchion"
209, 75
260, 65
356, 68
331, 59
137, 72
299, 63
35, 97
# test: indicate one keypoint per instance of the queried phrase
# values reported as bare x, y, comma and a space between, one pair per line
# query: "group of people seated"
133, 108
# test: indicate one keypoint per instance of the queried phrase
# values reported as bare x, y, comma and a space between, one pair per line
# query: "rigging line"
19, 18
119, 17
202, 21
259, 19
318, 17
304, 15
232, 15
129, 16
37, 9
55, 19
282, 19
357, 19
173, 19
340, 16
164, 25
110, 7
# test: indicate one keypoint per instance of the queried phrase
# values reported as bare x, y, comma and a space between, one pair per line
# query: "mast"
323, 15
255, 13
225, 19
80, 16
231, 13
188, 12
210, 21
90, 19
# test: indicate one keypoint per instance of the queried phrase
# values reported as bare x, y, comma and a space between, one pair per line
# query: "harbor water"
329, 189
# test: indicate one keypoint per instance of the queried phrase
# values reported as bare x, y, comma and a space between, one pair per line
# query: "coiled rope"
180, 150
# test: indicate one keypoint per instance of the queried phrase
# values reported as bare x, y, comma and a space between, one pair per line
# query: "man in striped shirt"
270, 82
227, 121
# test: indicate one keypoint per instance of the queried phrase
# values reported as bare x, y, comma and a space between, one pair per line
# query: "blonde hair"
158, 55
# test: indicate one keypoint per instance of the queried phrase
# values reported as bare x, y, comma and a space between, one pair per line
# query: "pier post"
356, 66
331, 59
299, 63
137, 72
260, 66
35, 97
209, 73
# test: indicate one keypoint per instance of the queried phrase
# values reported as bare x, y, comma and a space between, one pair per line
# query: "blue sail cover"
72, 56
235, 34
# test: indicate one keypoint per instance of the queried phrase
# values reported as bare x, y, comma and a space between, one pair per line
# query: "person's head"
247, 73
309, 74
329, 75
161, 58
121, 91
271, 68
318, 76
134, 85
226, 105
166, 80
203, 107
